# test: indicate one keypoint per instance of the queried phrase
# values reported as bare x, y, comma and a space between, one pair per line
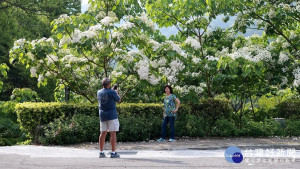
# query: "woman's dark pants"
164, 127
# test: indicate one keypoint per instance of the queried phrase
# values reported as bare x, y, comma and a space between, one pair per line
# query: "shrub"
212, 109
224, 128
31, 115
7, 110
138, 122
289, 109
268, 127
10, 132
194, 126
292, 128
24, 95
79, 128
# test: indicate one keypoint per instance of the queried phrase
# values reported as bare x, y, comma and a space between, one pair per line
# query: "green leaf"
59, 36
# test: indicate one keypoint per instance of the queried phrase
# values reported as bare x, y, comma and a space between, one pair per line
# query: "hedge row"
62, 123
138, 121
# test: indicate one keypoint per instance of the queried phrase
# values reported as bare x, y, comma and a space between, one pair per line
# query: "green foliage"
212, 109
268, 127
24, 95
194, 126
28, 19
224, 128
138, 121
292, 128
289, 109
10, 132
31, 115
278, 19
79, 128
3, 73
265, 106
7, 110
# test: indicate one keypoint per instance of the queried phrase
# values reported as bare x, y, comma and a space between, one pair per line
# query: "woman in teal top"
169, 114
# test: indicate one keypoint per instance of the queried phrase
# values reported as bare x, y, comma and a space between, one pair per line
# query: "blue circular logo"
233, 154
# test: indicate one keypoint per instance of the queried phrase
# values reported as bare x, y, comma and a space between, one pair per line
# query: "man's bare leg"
113, 140
102, 140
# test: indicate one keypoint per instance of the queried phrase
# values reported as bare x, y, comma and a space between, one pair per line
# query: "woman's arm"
177, 105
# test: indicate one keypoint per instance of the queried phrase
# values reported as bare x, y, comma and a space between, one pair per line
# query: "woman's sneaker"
161, 140
171, 140
114, 155
102, 155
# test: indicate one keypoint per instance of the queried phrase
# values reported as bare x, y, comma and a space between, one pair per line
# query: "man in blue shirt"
107, 99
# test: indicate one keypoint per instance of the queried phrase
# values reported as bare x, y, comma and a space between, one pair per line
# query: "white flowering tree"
256, 66
87, 47
278, 19
272, 57
202, 46
106, 41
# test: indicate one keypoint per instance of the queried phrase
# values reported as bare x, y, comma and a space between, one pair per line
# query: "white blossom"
118, 50
64, 40
143, 69
149, 23
117, 35
282, 58
212, 58
272, 13
31, 56
293, 35
189, 88
96, 28
284, 69
33, 71
154, 63
48, 74
193, 42
194, 74
100, 15
19, 43
76, 36
285, 45
154, 80
284, 81
203, 85
252, 53
177, 64
298, 6
127, 25
112, 14
40, 78
51, 40
296, 74
108, 21
175, 47
51, 58
155, 44
162, 61
196, 60
61, 19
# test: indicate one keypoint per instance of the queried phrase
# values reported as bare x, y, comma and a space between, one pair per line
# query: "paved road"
41, 157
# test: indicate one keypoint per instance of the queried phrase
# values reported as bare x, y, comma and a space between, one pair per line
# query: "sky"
218, 22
